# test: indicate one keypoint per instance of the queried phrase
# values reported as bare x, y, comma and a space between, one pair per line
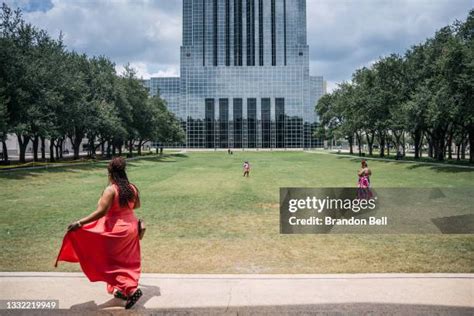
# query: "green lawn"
203, 217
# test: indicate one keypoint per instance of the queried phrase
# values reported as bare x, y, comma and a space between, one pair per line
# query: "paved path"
260, 294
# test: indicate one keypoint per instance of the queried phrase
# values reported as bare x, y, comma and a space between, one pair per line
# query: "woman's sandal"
132, 299
120, 295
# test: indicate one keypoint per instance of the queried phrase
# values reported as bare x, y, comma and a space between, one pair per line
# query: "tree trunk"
5, 150
417, 139
76, 149
370, 142
404, 145
463, 149
113, 149
108, 149
381, 137
430, 148
441, 153
450, 146
23, 143
76, 141
439, 142
43, 149
35, 148
439, 147
61, 143
130, 148
458, 148
56, 147
471, 145
140, 143
51, 150
359, 143
421, 145
398, 141
351, 143
388, 146
92, 147
102, 148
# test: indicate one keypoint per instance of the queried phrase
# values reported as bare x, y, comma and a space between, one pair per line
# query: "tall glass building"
244, 79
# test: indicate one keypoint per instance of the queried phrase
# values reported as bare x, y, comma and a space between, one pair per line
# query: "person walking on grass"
363, 185
246, 169
106, 243
364, 174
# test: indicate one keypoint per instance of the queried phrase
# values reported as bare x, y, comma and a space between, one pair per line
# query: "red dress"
107, 249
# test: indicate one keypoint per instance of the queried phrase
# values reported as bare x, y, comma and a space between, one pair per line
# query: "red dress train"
107, 249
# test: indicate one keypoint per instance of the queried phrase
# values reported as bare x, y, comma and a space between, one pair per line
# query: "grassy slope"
203, 217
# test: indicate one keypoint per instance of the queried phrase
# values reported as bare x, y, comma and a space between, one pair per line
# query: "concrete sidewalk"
255, 294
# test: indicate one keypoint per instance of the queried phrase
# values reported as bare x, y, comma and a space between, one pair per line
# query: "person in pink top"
364, 174
246, 169
363, 185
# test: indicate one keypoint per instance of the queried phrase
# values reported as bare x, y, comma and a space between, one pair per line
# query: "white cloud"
146, 71
330, 86
343, 34
146, 34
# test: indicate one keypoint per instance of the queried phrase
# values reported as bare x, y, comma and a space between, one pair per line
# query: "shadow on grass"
412, 164
448, 169
20, 173
449, 162
166, 158
180, 155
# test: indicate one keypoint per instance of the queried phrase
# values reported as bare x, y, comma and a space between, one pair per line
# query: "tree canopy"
423, 98
50, 93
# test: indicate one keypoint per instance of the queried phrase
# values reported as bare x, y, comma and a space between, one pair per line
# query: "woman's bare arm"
102, 208
136, 204
137, 201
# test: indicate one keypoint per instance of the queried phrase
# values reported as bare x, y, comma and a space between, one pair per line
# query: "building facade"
244, 80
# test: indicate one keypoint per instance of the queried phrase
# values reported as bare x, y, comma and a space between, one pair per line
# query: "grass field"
203, 217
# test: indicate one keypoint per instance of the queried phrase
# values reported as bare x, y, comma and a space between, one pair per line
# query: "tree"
101, 84
168, 127
77, 108
415, 106
4, 120
136, 96
366, 99
17, 42
336, 115
47, 92
462, 82
387, 88
427, 93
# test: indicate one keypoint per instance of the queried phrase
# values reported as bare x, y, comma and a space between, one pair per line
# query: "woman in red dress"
106, 243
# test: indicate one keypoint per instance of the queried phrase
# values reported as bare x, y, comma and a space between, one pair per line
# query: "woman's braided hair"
118, 175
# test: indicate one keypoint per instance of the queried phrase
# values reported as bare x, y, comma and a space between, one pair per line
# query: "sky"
343, 35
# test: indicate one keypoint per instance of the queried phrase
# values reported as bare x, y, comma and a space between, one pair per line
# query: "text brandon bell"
352, 221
